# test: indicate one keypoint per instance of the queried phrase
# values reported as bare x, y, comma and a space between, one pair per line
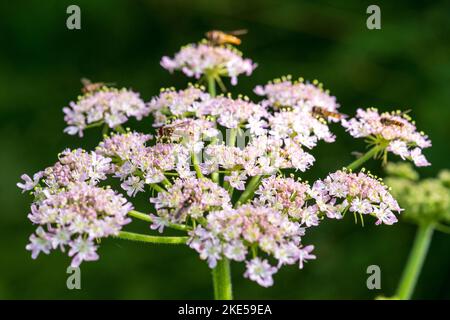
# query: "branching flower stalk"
427, 204
228, 198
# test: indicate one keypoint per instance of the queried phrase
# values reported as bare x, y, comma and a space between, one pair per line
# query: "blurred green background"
404, 65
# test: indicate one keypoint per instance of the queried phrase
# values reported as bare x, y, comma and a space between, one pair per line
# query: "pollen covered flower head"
74, 217
263, 155
123, 146
194, 103
288, 196
73, 166
196, 60
248, 233
300, 127
190, 198
173, 103
234, 113
396, 129
137, 164
359, 193
108, 105
284, 92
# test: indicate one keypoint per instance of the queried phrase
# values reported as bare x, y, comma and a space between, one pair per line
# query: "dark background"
404, 65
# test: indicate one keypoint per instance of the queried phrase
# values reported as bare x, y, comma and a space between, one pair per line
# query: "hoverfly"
387, 120
171, 132
391, 122
89, 86
217, 37
324, 113
185, 206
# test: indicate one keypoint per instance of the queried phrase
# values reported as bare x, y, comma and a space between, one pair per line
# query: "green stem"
215, 175
415, 261
231, 143
211, 85
249, 190
151, 239
157, 187
94, 124
221, 276
145, 217
212, 93
232, 138
166, 182
105, 129
196, 165
442, 228
360, 161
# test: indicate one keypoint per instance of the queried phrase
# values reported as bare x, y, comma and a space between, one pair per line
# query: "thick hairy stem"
151, 239
361, 160
415, 261
222, 280
249, 190
147, 218
221, 273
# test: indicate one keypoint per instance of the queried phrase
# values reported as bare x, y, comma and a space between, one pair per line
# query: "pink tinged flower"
305, 255
235, 250
158, 223
99, 167
210, 251
287, 254
237, 180
168, 64
39, 242
310, 217
133, 185
418, 158
29, 183
259, 90
385, 215
361, 206
399, 147
260, 271
60, 238
82, 250
256, 125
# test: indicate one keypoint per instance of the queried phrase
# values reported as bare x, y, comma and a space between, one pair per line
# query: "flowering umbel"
222, 169
196, 60
394, 129
71, 210
108, 106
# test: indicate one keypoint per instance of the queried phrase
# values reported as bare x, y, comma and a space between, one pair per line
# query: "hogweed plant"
427, 204
222, 170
